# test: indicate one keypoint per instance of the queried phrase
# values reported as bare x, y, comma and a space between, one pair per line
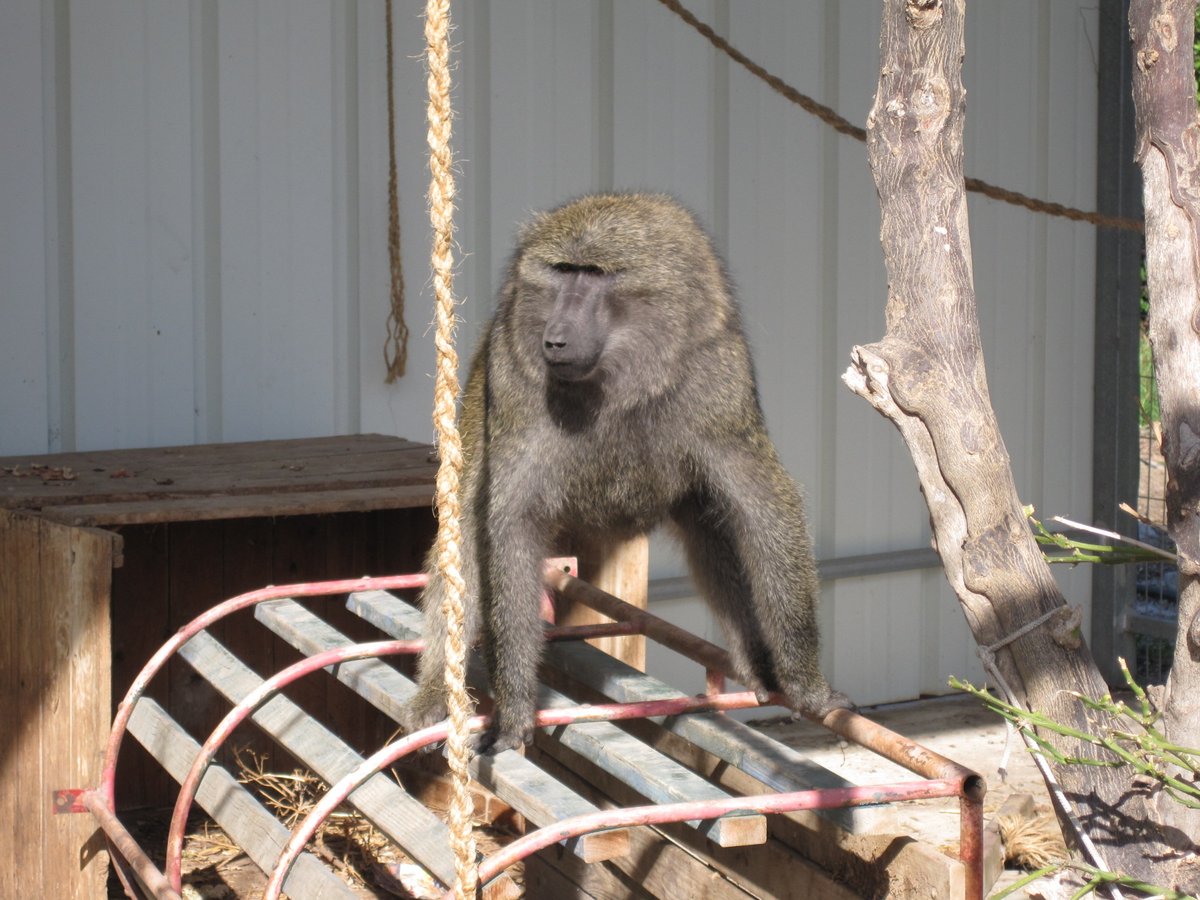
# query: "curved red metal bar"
242, 711
660, 814
248, 704
209, 617
389, 754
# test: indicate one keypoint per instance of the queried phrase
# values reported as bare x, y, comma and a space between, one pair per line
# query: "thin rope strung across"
844, 126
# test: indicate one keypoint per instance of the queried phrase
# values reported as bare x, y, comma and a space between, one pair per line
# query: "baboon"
613, 390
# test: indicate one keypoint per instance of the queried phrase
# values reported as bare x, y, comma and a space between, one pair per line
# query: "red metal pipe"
248, 704
215, 614
106, 790
970, 843
129, 850
386, 756
242, 711
659, 814
945, 777
847, 723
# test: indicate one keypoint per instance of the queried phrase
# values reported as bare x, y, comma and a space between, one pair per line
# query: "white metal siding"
193, 235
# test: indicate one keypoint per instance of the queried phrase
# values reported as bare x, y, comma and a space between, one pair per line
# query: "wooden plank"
231, 806
54, 699
651, 774
418, 831
20, 701
140, 625
196, 509
240, 453
775, 765
622, 568
674, 861
551, 874
247, 562
510, 776
74, 647
193, 587
658, 865
144, 478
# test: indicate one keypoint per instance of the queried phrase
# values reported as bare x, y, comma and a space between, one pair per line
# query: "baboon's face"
615, 290
579, 322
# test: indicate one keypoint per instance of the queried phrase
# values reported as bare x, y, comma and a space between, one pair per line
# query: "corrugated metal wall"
193, 235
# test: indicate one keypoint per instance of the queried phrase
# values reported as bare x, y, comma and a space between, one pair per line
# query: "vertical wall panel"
669, 121
24, 399
276, 159
130, 187
405, 406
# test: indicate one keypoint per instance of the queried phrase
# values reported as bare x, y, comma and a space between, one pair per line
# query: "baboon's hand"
819, 702
499, 737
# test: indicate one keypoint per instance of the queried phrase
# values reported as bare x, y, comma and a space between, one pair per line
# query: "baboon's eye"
586, 268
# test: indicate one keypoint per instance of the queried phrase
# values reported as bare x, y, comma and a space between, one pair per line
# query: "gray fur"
613, 391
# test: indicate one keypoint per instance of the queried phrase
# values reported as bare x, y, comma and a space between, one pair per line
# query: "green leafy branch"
1096, 879
1058, 548
1142, 746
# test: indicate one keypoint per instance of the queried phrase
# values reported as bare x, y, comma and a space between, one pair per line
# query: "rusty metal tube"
124, 844
970, 844
844, 722
242, 711
546, 718
661, 814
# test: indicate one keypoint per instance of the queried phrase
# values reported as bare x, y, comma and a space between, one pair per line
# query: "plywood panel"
141, 622
56, 699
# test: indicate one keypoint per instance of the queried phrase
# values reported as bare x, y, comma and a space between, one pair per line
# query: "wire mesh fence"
1157, 582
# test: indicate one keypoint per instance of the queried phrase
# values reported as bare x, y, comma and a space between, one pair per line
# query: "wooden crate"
104, 554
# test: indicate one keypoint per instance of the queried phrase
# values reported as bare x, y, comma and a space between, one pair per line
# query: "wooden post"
55, 586
622, 568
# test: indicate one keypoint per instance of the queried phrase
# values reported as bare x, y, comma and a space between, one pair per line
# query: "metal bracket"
69, 800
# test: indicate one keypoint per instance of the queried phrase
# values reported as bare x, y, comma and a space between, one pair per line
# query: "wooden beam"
232, 807
621, 568
55, 585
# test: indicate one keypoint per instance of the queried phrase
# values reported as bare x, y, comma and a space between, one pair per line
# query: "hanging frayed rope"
449, 536
395, 347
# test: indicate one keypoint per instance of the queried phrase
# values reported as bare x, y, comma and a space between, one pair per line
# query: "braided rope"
449, 536
395, 347
844, 126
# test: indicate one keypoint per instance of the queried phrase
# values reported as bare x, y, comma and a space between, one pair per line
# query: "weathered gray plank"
761, 757
401, 817
254, 829
651, 774
514, 779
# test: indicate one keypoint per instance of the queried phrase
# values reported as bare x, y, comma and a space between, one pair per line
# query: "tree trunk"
1168, 150
927, 376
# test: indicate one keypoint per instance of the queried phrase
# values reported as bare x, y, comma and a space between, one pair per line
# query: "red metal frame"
940, 776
